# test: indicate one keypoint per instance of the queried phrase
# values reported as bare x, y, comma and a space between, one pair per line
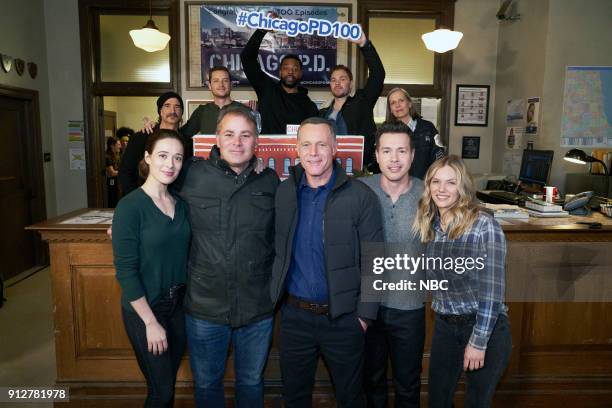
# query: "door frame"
94, 89
34, 163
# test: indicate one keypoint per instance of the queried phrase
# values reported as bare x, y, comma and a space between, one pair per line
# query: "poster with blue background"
222, 41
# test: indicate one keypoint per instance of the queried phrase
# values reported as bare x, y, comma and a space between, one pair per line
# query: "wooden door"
110, 130
21, 191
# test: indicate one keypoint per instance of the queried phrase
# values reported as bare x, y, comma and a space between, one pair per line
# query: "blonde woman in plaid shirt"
471, 332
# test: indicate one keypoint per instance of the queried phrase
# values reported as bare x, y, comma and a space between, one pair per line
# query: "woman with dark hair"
151, 236
113, 156
424, 133
471, 331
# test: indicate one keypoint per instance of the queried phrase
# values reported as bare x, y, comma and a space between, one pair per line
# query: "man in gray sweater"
399, 330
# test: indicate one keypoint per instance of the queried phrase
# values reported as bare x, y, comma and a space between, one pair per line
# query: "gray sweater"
399, 238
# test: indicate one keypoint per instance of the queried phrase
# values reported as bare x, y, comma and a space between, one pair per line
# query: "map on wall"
587, 107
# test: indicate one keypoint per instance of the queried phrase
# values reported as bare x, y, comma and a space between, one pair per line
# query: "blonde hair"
412, 111
461, 216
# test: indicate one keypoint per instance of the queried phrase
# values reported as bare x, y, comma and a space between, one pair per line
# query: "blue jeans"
208, 348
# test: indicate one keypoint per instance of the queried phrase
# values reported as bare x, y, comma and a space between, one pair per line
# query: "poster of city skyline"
221, 41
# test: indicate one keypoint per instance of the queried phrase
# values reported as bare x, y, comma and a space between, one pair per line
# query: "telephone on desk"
577, 205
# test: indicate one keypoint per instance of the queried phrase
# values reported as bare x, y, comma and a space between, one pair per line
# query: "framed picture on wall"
472, 107
213, 38
470, 148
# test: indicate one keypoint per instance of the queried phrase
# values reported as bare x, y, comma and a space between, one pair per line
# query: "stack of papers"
506, 211
539, 208
549, 214
542, 206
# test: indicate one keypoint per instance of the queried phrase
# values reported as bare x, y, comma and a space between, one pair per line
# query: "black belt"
458, 319
316, 308
176, 292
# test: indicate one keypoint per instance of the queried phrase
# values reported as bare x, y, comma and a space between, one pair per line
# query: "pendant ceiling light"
149, 38
442, 40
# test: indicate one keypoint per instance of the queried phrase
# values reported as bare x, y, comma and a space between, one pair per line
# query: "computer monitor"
535, 166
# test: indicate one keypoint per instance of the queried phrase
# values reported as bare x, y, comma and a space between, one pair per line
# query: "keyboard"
507, 196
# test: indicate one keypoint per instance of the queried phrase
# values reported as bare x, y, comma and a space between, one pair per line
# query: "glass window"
121, 61
287, 164
132, 109
406, 61
349, 165
271, 163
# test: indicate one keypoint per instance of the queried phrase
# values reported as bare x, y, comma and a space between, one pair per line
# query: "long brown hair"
156, 136
461, 216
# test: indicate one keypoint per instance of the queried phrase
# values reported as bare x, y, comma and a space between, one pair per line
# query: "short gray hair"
316, 120
243, 112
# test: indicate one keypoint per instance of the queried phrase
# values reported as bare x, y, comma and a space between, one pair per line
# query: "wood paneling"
98, 320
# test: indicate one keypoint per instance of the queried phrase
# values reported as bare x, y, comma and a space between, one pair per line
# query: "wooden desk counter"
562, 352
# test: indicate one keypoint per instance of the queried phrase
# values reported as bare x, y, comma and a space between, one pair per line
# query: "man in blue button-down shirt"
322, 217
307, 278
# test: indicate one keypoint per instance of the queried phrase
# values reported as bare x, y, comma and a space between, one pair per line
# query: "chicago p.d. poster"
215, 39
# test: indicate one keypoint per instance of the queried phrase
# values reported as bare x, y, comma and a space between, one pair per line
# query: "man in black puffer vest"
322, 217
231, 210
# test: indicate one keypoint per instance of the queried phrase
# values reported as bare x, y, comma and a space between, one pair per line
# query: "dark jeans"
304, 336
400, 334
208, 348
159, 370
446, 363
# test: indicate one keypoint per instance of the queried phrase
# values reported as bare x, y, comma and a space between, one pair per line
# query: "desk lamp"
580, 157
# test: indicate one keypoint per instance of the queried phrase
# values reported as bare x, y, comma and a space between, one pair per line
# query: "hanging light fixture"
149, 38
442, 40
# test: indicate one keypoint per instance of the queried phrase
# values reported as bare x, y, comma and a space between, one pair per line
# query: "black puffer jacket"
231, 255
358, 110
352, 217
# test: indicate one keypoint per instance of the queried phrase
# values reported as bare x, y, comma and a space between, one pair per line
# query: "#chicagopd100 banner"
221, 40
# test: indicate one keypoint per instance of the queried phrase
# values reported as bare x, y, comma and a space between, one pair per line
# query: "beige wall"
22, 30
578, 34
520, 66
532, 57
131, 109
65, 96
474, 63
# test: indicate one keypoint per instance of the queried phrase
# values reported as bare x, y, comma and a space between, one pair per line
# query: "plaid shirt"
477, 291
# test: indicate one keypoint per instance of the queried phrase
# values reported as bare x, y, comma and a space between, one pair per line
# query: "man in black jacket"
231, 210
322, 217
354, 115
170, 109
280, 103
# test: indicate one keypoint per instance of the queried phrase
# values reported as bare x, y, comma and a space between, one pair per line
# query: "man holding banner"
353, 115
280, 103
